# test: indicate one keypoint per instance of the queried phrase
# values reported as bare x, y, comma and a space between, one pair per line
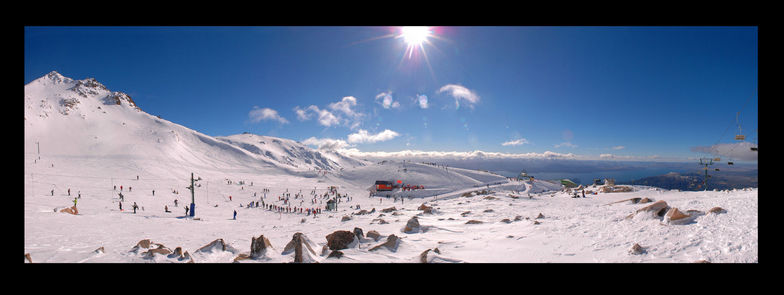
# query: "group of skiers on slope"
270, 207
285, 198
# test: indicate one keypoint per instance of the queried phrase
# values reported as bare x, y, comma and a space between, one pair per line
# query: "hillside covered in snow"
94, 150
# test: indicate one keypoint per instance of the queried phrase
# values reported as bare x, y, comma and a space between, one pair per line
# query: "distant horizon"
585, 93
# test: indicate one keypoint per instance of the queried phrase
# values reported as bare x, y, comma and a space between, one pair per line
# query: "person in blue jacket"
235, 214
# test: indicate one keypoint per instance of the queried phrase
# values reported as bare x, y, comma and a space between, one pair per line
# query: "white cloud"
619, 147
342, 113
460, 92
325, 117
435, 155
344, 105
326, 143
258, 114
362, 136
386, 100
566, 144
736, 151
515, 142
422, 101
302, 115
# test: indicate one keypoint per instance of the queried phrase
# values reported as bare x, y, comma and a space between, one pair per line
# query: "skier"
120, 206
135, 207
121, 188
69, 191
80, 194
166, 209
153, 193
186, 210
74, 202
235, 215
53, 193
129, 189
583, 191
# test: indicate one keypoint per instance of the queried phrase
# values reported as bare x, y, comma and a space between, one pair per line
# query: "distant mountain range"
693, 181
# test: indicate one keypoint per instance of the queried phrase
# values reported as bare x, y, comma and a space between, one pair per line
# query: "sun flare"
414, 36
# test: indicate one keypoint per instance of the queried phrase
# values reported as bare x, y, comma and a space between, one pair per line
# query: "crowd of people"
286, 202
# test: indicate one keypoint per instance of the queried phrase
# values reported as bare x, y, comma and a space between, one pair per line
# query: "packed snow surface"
475, 216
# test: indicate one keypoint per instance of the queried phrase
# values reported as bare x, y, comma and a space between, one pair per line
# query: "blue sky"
597, 92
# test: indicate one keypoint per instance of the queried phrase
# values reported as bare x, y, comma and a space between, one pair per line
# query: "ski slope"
93, 141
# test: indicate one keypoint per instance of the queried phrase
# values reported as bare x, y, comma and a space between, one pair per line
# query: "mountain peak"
55, 77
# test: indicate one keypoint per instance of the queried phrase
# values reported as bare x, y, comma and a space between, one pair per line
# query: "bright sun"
414, 36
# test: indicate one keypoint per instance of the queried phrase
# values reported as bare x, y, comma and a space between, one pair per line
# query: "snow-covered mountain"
77, 118
95, 143
290, 153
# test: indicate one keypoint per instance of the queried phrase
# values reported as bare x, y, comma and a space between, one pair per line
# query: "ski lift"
740, 135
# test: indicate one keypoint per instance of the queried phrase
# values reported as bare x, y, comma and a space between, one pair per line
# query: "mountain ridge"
75, 116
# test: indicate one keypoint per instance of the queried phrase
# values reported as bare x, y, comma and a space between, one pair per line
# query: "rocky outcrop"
425, 209
434, 256
160, 250
358, 232
675, 216
259, 246
412, 226
335, 254
373, 235
301, 247
391, 244
636, 249
70, 210
217, 245
658, 208
341, 239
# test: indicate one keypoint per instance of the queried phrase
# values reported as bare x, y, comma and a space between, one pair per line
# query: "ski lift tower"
193, 197
706, 162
